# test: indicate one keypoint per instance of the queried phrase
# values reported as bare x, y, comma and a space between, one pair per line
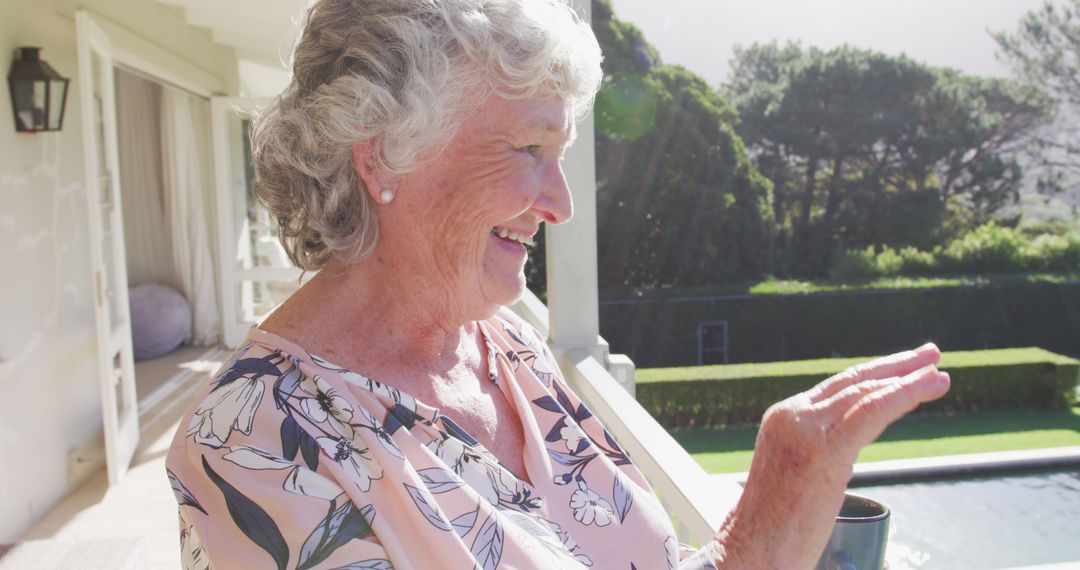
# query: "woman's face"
457, 223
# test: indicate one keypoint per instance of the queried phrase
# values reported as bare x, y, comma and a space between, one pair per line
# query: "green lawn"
824, 367
725, 450
794, 286
788, 287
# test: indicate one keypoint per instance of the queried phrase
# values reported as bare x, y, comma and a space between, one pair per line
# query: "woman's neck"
377, 313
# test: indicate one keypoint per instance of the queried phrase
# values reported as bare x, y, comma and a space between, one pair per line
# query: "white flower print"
589, 507
569, 542
542, 369
369, 421
380, 389
672, 547
325, 405
358, 463
192, 556
541, 366
571, 545
573, 436
303, 481
550, 534
299, 481
254, 458
506, 483
535, 354
373, 386
226, 408
470, 466
539, 528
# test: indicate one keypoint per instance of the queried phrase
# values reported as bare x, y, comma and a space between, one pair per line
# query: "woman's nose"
555, 204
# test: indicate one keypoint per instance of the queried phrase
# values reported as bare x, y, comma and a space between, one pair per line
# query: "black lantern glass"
38, 93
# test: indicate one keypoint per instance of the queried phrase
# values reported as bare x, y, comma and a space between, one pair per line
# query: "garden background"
824, 203
737, 221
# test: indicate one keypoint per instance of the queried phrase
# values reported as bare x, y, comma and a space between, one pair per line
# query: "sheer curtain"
185, 183
200, 115
146, 236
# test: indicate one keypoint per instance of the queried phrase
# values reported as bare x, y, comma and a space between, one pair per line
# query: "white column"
571, 250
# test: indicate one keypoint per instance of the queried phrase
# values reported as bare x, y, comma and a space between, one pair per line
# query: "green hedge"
662, 331
706, 396
989, 248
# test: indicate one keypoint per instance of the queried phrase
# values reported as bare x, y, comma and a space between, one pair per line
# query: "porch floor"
130, 525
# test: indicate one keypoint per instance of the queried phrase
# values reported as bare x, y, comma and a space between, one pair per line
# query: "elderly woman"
393, 412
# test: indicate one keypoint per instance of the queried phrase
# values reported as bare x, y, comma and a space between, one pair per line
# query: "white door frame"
116, 366
119, 48
136, 53
237, 273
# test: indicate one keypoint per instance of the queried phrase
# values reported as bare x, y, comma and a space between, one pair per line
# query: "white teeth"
507, 234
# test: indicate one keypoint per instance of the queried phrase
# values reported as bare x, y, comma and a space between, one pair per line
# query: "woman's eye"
532, 149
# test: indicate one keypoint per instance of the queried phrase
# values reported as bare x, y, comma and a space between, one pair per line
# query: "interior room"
164, 157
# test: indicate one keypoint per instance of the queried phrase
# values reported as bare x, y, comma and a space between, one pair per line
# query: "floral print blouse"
289, 461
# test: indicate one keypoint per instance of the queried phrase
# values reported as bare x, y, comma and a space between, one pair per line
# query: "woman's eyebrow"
537, 125
566, 131
548, 126
545, 122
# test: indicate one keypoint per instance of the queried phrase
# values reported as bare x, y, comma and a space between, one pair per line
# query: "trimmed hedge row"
764, 328
709, 396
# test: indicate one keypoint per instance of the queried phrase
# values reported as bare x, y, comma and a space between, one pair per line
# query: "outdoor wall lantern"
38, 92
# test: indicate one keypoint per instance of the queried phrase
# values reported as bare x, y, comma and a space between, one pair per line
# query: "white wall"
257, 80
49, 400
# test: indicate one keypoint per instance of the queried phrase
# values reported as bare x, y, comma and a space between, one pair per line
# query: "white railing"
697, 504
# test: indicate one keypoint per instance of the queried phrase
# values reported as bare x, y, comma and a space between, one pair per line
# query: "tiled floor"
132, 523
155, 373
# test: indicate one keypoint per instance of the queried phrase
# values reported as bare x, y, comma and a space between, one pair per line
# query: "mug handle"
841, 560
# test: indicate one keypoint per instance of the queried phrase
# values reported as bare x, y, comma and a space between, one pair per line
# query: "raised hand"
804, 455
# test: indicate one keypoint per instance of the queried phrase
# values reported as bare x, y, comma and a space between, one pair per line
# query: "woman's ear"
377, 182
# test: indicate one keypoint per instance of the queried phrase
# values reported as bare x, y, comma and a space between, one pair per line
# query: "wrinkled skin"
804, 455
501, 170
405, 314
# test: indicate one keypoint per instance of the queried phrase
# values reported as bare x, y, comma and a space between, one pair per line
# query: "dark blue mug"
859, 537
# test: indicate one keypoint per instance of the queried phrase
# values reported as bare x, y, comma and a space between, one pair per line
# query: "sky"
701, 34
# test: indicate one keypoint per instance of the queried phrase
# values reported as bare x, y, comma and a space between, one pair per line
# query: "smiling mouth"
508, 235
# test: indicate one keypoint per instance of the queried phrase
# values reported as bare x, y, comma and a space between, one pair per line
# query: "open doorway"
172, 135
163, 142
255, 272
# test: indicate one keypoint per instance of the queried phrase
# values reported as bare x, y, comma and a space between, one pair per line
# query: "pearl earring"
386, 196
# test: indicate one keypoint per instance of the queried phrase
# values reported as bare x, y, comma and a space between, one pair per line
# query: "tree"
849, 136
1045, 51
679, 203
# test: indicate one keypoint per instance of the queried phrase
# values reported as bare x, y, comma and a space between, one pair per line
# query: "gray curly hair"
401, 74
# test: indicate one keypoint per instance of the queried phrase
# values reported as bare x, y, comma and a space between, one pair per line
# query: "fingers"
846, 398
872, 412
892, 366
